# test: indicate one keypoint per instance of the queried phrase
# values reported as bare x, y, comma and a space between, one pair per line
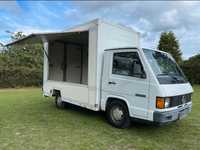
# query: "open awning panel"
59, 36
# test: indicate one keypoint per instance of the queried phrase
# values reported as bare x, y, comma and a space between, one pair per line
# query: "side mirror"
139, 70
143, 75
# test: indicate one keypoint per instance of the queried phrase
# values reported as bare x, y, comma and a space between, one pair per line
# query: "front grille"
181, 99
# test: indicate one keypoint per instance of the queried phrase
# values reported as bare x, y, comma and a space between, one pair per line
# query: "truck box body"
101, 35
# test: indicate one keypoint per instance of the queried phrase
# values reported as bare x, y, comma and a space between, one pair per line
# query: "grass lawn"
28, 121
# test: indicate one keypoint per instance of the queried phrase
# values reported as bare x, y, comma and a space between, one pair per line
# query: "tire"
117, 114
59, 103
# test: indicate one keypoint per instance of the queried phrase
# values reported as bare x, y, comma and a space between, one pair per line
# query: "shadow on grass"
136, 124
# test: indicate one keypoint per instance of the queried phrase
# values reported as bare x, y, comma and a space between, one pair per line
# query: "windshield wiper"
173, 76
163, 74
178, 78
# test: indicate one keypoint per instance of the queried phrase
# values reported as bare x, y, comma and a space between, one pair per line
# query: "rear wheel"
59, 103
118, 115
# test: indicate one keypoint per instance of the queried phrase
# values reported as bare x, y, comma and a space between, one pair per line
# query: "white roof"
89, 24
35, 37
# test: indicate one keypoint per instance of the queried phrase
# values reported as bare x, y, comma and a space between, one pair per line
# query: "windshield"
164, 67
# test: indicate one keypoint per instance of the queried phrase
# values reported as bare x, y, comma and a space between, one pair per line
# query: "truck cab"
145, 84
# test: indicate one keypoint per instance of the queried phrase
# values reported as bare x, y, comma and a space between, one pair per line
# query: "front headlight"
167, 102
162, 103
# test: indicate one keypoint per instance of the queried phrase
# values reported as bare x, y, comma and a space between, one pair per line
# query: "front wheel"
59, 103
118, 115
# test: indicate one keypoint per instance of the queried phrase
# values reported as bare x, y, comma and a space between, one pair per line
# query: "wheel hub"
117, 113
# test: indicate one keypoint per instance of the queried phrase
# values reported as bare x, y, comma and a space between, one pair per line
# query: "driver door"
126, 78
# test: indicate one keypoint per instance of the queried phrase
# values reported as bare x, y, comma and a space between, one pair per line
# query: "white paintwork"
112, 36
171, 90
97, 73
125, 87
69, 91
102, 35
45, 64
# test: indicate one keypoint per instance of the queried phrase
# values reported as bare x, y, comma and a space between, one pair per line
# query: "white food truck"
101, 66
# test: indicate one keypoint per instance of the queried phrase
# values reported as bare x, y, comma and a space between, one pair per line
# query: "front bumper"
172, 115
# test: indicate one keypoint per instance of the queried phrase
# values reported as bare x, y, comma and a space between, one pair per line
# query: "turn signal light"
160, 103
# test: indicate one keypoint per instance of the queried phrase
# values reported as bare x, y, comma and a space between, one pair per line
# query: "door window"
127, 64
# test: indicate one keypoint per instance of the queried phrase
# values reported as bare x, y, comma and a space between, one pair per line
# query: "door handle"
111, 82
140, 95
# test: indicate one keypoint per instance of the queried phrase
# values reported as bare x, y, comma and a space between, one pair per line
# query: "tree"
17, 36
170, 44
1, 47
191, 69
21, 64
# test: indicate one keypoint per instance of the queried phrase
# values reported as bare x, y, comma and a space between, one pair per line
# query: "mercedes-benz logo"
184, 99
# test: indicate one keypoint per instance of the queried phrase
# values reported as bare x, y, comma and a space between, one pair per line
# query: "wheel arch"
55, 92
117, 98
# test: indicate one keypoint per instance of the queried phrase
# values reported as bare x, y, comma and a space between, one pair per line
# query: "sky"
150, 18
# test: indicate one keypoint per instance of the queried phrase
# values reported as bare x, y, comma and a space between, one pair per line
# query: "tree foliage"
21, 65
17, 36
170, 44
191, 68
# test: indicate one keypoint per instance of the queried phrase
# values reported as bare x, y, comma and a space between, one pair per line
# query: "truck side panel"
69, 91
92, 63
111, 36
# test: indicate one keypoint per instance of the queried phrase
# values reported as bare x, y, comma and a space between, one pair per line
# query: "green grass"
28, 121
